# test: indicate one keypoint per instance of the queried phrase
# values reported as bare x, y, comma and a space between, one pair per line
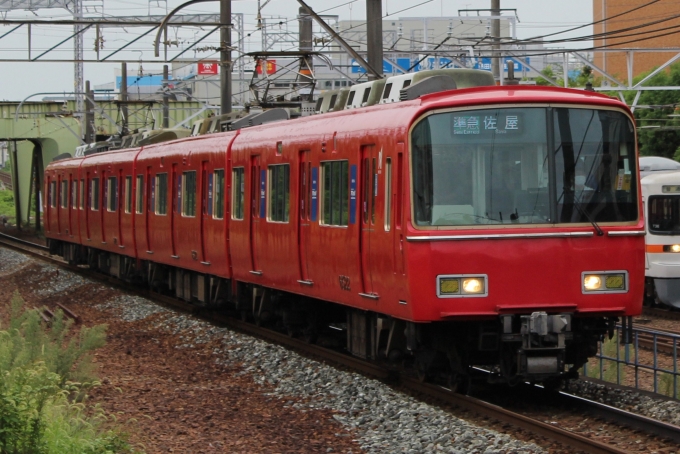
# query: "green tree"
654, 108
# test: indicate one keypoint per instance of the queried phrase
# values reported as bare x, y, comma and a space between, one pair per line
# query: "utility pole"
496, 36
166, 97
306, 63
374, 36
89, 114
225, 56
123, 99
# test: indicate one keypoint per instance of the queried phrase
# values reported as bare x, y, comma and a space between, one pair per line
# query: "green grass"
7, 205
45, 372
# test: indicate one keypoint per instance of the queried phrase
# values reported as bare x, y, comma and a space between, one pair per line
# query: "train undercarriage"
537, 347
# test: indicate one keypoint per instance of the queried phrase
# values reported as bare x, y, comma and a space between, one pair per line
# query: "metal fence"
649, 363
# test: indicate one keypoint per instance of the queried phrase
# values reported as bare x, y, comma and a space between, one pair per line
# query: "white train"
660, 181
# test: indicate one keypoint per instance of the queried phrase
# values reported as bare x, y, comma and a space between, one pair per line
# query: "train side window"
388, 193
128, 194
139, 195
94, 194
74, 194
218, 200
53, 194
161, 194
81, 194
335, 193
279, 193
238, 192
64, 194
189, 193
112, 194
367, 93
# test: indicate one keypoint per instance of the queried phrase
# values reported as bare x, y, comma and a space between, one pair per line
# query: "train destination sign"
475, 124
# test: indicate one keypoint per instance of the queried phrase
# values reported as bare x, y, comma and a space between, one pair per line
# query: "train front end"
526, 240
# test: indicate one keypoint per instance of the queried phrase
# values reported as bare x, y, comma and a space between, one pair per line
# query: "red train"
491, 226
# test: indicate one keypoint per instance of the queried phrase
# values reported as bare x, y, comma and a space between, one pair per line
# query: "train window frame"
81, 194
112, 194
238, 193
74, 194
128, 194
189, 191
278, 193
552, 205
139, 194
53, 194
161, 194
63, 193
667, 199
94, 194
338, 205
218, 191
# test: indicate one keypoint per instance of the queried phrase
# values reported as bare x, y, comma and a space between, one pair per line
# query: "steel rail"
632, 420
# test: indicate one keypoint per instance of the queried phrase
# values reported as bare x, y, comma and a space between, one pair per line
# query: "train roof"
661, 178
519, 94
657, 164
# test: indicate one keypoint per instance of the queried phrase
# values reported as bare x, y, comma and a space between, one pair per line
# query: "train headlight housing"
461, 285
672, 248
604, 282
473, 285
592, 282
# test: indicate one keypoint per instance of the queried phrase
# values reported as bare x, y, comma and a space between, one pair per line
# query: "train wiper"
591, 220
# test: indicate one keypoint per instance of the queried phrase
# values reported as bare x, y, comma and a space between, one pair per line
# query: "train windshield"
664, 214
524, 165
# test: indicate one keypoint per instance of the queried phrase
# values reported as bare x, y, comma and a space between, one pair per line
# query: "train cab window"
74, 194
663, 214
189, 193
161, 194
335, 193
112, 194
496, 166
386, 91
367, 93
218, 199
279, 193
128, 194
139, 195
94, 194
351, 97
53, 194
238, 193
63, 194
81, 195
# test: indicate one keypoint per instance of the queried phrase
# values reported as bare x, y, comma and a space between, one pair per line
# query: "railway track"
661, 313
6, 179
411, 384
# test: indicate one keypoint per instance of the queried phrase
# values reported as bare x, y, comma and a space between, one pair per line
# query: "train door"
150, 205
121, 195
88, 205
306, 188
59, 197
369, 189
397, 208
73, 204
205, 198
176, 204
257, 207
